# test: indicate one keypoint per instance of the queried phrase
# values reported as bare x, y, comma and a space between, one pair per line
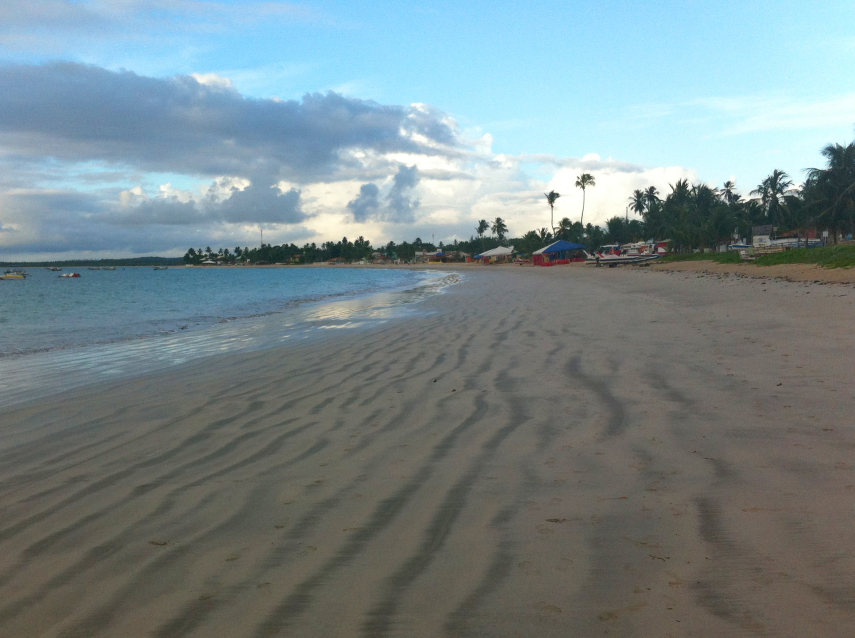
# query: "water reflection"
41, 374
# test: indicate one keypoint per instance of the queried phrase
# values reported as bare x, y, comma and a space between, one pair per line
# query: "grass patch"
840, 256
729, 257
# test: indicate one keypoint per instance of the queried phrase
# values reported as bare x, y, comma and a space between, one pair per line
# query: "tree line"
692, 216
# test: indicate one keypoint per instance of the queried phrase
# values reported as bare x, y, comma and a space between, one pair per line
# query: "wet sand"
545, 452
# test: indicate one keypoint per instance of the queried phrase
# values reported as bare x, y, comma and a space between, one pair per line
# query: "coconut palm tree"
771, 191
565, 229
499, 228
482, 227
638, 201
551, 196
728, 193
651, 198
831, 191
583, 181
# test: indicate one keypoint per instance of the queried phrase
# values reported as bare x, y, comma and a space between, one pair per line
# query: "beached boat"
634, 253
70, 275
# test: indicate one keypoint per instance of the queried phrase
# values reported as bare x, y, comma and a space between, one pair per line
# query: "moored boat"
70, 275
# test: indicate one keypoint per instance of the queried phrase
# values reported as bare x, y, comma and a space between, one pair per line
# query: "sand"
788, 272
543, 452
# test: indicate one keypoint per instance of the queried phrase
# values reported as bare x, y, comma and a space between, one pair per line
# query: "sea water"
58, 333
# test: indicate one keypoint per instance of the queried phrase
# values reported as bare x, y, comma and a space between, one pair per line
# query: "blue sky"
131, 127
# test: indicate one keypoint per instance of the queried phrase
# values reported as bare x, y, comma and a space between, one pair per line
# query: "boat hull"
618, 260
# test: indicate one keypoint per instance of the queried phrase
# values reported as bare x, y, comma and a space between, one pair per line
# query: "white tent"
498, 251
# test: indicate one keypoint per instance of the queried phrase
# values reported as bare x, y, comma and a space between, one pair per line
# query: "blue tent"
559, 246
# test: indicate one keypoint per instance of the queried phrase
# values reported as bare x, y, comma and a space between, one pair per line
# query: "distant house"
427, 256
761, 236
767, 237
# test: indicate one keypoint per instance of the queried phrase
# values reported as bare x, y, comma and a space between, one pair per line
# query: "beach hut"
498, 254
558, 252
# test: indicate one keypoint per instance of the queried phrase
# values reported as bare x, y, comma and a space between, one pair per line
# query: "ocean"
59, 333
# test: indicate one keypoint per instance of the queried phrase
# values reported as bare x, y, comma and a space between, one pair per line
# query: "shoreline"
26, 376
537, 451
788, 272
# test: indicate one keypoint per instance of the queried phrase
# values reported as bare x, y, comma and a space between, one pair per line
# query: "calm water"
58, 333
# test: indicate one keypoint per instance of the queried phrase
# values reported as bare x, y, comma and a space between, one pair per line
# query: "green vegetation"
697, 218
835, 256
840, 256
729, 257
101, 263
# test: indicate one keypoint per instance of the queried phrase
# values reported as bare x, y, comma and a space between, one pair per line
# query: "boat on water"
634, 253
70, 275
160, 268
13, 274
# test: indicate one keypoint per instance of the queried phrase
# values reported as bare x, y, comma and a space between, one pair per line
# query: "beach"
568, 451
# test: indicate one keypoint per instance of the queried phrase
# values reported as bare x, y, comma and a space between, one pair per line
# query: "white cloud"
309, 170
214, 80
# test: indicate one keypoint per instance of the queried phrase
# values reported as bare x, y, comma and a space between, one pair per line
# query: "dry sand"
545, 452
789, 272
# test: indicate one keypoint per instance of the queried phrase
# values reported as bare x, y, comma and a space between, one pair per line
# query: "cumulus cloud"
261, 203
367, 205
79, 122
398, 206
89, 156
402, 205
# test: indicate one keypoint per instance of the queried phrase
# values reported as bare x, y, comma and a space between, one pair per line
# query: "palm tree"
482, 227
638, 201
583, 181
772, 191
832, 190
680, 190
565, 229
651, 198
499, 228
551, 196
728, 193
617, 230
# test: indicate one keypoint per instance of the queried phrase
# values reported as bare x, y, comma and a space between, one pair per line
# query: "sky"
146, 127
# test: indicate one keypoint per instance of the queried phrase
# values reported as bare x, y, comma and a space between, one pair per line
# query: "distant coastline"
87, 263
